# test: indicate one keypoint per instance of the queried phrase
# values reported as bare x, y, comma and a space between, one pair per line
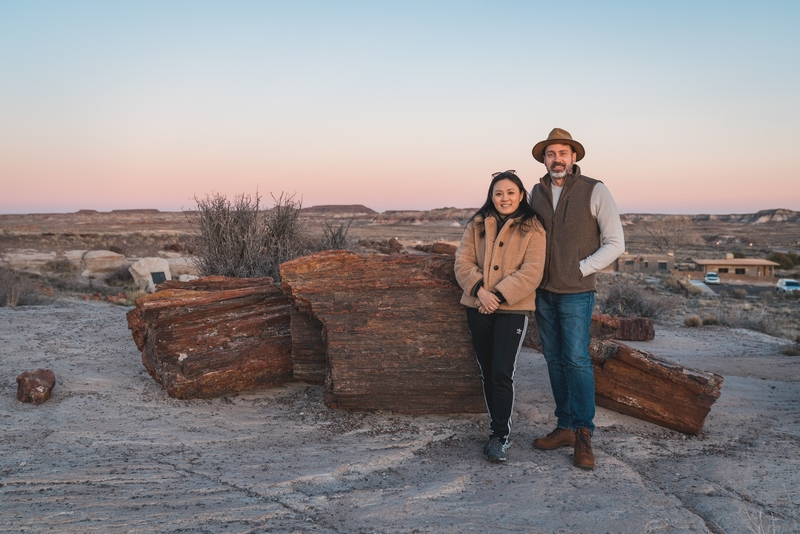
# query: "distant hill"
338, 209
760, 217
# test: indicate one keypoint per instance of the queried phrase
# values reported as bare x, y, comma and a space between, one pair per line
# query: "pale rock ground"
111, 452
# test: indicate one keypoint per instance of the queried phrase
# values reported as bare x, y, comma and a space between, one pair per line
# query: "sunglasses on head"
510, 171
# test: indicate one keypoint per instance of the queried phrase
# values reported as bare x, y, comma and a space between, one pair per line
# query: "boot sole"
553, 448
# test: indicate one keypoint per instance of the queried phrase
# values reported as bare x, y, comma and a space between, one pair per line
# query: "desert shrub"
692, 290
692, 321
738, 293
240, 240
674, 283
61, 266
671, 282
791, 350
786, 262
334, 236
131, 296
759, 320
18, 289
625, 296
710, 320
739, 254
120, 278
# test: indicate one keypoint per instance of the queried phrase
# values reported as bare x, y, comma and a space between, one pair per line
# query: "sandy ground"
110, 452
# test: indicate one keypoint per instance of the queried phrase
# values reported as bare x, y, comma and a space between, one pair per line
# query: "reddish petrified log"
605, 326
395, 334
214, 335
636, 383
35, 387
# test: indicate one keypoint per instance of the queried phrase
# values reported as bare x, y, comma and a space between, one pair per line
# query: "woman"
499, 264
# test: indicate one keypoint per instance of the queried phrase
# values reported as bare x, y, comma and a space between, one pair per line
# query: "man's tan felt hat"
557, 136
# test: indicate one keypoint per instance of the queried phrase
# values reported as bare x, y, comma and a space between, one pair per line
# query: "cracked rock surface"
111, 452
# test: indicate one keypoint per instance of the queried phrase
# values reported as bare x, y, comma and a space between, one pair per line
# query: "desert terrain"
111, 452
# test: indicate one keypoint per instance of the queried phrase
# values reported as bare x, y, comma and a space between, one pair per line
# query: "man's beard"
558, 175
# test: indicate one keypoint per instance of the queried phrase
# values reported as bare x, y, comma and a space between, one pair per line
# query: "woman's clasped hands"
488, 301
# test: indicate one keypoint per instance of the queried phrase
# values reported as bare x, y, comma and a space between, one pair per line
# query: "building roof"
736, 261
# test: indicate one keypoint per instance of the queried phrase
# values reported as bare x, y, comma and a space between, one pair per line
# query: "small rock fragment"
35, 386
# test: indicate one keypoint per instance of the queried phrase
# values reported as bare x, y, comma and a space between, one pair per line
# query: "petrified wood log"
214, 335
636, 383
395, 334
623, 328
35, 387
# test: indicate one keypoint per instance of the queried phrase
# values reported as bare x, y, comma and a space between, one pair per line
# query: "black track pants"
497, 338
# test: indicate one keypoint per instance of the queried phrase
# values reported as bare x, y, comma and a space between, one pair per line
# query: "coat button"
496, 267
501, 244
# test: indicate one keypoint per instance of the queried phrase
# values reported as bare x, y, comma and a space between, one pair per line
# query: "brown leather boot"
584, 457
560, 437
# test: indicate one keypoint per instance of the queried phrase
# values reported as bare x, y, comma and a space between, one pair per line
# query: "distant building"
645, 263
738, 267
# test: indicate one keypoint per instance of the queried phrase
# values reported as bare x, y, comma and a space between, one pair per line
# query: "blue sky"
683, 107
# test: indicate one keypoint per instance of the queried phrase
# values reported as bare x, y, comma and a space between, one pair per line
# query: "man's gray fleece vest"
572, 232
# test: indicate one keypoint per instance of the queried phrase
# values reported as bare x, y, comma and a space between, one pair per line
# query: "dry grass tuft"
692, 321
791, 350
61, 266
758, 319
19, 289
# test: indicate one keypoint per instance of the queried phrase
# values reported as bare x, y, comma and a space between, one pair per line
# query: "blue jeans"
564, 323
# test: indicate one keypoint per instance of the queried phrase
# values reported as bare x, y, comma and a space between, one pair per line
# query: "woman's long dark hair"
524, 211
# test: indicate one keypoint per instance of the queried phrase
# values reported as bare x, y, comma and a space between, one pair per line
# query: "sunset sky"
683, 106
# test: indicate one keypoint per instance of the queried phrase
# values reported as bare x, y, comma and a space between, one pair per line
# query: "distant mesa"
760, 217
123, 212
338, 208
118, 212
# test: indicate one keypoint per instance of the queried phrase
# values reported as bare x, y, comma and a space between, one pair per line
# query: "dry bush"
710, 320
692, 321
739, 294
626, 296
759, 320
240, 240
122, 277
61, 266
131, 296
692, 290
671, 282
334, 236
791, 350
18, 289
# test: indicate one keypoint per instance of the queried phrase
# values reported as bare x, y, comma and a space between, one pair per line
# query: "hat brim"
538, 148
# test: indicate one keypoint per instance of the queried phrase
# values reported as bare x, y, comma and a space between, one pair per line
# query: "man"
584, 235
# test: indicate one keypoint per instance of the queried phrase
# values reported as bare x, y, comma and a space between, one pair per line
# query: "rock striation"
214, 335
394, 333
